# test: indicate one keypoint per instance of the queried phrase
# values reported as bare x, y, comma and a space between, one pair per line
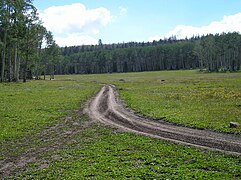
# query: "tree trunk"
25, 67
4, 56
10, 66
25, 70
18, 69
15, 71
45, 66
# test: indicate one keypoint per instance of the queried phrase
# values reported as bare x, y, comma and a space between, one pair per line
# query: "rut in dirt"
108, 109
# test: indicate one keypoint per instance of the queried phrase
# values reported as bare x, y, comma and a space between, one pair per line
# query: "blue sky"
77, 22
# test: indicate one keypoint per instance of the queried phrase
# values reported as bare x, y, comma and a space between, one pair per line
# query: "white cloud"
70, 23
123, 10
75, 40
230, 23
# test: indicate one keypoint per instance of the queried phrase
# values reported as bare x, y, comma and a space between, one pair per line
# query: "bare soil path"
108, 109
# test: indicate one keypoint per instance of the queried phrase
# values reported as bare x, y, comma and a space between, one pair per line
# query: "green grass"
190, 98
102, 153
187, 97
28, 107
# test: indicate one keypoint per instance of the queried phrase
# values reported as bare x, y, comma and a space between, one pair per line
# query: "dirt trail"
107, 108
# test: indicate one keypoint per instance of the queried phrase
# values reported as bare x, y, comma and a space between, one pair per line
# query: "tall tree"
21, 40
5, 23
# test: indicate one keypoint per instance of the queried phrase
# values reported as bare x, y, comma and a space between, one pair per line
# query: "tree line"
220, 52
27, 49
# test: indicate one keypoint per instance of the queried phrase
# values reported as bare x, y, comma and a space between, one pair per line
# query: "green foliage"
21, 37
214, 53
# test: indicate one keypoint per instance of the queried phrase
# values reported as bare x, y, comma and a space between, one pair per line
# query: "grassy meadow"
190, 98
28, 107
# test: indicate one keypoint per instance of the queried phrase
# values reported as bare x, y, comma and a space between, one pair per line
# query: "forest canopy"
213, 53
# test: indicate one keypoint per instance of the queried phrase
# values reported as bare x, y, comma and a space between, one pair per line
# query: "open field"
43, 135
196, 100
31, 106
107, 108
191, 98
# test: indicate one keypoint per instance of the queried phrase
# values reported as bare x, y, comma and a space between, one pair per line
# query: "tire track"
107, 109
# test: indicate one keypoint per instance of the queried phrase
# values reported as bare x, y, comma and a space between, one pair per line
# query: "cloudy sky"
77, 22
